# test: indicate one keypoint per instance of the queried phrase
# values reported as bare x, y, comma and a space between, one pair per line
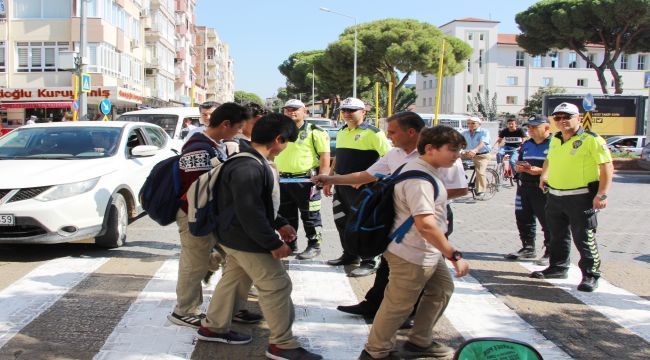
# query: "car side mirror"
144, 151
496, 349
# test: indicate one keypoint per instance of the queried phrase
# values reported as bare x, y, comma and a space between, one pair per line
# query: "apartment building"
213, 69
501, 66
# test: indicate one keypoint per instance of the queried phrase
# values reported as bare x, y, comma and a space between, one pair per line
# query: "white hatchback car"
70, 181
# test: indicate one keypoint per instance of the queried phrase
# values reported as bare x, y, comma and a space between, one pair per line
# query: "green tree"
390, 50
534, 104
242, 97
405, 98
620, 26
299, 71
481, 104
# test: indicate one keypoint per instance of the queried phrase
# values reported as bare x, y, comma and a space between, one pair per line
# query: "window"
480, 58
640, 65
512, 80
469, 65
38, 56
511, 100
430, 84
573, 61
554, 59
469, 89
156, 136
623, 62
430, 101
3, 62
547, 81
592, 58
581, 82
519, 59
537, 61
42, 9
480, 88
469, 36
481, 37
424, 101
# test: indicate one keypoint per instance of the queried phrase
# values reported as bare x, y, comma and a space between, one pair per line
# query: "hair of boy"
408, 120
257, 109
511, 119
438, 136
209, 105
231, 111
272, 125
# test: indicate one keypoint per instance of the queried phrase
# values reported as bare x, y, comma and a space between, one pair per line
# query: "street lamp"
354, 80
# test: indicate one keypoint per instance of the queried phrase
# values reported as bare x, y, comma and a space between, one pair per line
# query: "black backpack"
367, 232
160, 196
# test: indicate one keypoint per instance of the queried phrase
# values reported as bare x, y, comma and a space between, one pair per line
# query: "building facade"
499, 65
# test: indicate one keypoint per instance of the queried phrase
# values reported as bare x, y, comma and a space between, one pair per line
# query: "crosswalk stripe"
621, 306
144, 331
317, 289
468, 313
27, 298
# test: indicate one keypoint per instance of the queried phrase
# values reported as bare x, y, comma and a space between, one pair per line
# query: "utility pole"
81, 66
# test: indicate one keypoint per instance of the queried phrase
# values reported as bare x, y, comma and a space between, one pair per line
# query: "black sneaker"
549, 273
275, 353
247, 317
309, 253
193, 321
344, 260
361, 308
435, 350
391, 356
588, 284
231, 337
523, 253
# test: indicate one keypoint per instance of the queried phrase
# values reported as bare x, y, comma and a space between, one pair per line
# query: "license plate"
6, 220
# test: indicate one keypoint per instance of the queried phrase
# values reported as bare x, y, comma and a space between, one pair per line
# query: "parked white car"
170, 119
632, 144
63, 182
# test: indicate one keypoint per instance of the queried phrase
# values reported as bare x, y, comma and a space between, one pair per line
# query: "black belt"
296, 175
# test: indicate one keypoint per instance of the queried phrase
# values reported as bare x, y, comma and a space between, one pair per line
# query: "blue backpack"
160, 196
367, 231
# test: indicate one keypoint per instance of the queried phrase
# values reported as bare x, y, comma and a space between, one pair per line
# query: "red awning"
38, 105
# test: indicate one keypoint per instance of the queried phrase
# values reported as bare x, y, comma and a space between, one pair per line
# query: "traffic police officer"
309, 155
358, 145
530, 199
578, 171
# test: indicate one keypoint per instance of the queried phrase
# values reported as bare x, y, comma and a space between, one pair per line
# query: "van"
458, 122
170, 119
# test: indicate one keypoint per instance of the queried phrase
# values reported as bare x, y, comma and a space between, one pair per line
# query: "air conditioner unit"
150, 71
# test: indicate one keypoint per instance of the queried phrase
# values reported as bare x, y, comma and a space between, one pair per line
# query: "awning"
36, 105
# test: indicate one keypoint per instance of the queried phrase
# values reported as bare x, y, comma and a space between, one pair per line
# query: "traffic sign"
75, 104
646, 82
105, 106
85, 82
588, 102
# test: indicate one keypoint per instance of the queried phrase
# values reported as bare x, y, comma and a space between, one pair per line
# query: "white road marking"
475, 312
33, 294
621, 306
144, 331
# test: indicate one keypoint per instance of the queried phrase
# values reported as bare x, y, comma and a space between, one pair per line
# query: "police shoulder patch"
591, 133
316, 127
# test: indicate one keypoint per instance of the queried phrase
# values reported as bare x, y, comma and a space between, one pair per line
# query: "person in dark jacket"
248, 203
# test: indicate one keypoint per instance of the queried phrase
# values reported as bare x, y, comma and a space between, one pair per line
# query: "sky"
263, 33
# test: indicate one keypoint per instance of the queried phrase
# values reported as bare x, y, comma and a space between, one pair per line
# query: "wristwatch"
455, 256
603, 197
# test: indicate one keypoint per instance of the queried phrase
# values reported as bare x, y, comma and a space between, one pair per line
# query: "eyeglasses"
562, 117
349, 110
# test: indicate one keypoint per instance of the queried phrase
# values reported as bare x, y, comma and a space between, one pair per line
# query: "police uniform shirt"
534, 154
512, 138
573, 164
301, 155
357, 149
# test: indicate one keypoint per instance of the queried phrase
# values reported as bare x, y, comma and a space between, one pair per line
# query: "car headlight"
62, 191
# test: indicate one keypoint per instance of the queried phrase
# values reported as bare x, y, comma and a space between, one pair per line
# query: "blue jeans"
512, 151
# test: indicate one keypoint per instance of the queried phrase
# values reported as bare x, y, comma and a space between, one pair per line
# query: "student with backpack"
200, 153
417, 263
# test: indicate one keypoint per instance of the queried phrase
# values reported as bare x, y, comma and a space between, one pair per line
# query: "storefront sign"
117, 95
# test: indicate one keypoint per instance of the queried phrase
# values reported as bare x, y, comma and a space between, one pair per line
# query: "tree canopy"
242, 97
620, 26
534, 104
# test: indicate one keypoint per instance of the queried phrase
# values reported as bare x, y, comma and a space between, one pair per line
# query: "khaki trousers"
481, 163
406, 281
274, 288
195, 260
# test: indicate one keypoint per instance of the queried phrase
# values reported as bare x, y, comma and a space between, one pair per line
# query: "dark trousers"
343, 200
530, 203
565, 216
375, 294
306, 199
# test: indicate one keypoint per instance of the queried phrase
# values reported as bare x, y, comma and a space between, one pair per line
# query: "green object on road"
496, 349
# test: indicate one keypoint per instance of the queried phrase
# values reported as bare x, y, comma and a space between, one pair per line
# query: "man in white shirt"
403, 130
206, 109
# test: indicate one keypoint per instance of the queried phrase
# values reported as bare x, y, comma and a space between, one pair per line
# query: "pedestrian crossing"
144, 332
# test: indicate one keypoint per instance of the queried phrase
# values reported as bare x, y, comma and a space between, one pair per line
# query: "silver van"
170, 119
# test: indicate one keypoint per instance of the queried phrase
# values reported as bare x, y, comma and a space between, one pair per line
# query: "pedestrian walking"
303, 158
250, 193
530, 200
578, 171
478, 149
358, 145
417, 263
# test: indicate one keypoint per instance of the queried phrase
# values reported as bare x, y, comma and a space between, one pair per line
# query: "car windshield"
65, 142
613, 139
166, 121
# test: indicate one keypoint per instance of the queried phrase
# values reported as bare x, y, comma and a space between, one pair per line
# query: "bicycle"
504, 169
491, 180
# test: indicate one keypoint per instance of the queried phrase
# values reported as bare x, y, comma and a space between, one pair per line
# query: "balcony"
152, 64
181, 5
152, 35
180, 54
181, 30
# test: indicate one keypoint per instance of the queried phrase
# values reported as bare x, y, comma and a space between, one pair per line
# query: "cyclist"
513, 136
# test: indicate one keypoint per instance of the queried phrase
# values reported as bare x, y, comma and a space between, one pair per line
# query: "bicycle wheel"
492, 185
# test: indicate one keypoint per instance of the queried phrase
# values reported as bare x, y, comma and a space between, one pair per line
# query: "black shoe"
247, 317
523, 253
231, 337
274, 352
309, 253
391, 356
344, 260
208, 276
549, 273
366, 268
361, 309
193, 321
408, 324
588, 284
435, 350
